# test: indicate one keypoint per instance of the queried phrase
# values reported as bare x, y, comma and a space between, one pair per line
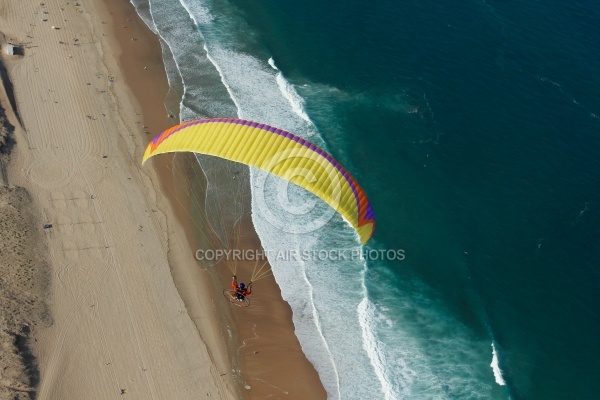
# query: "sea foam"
374, 348
289, 92
497, 372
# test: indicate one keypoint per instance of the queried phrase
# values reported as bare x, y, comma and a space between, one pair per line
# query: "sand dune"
24, 279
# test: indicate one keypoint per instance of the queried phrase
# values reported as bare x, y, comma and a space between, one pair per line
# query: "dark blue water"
480, 122
474, 128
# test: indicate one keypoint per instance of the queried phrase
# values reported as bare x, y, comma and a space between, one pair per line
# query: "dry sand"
131, 312
119, 325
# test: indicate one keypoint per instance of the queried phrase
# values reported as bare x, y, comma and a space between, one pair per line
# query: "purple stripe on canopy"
368, 212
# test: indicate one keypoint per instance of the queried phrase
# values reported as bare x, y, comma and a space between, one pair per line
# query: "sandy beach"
112, 301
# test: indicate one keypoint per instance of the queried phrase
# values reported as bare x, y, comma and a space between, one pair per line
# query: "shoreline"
278, 352
266, 364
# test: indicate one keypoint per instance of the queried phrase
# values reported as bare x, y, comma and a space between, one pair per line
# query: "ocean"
474, 128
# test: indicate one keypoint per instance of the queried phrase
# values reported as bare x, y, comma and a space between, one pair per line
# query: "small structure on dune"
14, 50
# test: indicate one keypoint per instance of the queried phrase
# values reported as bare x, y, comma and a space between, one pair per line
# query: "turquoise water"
474, 128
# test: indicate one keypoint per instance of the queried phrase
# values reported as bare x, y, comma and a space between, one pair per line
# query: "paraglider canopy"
278, 152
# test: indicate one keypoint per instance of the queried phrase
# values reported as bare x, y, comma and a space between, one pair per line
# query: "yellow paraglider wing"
278, 152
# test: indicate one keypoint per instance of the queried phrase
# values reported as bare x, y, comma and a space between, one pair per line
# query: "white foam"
289, 92
254, 88
497, 372
220, 71
272, 64
202, 16
199, 13
374, 348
